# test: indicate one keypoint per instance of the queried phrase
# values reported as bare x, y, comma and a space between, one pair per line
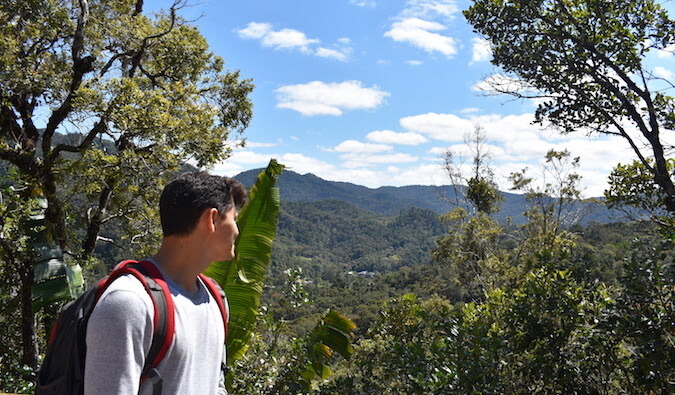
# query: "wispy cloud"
353, 146
422, 34
481, 51
391, 137
291, 39
338, 54
663, 73
666, 52
321, 98
253, 144
415, 62
430, 9
444, 127
277, 39
420, 24
354, 160
363, 3
469, 110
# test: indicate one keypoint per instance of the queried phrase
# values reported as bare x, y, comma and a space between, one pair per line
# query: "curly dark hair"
185, 198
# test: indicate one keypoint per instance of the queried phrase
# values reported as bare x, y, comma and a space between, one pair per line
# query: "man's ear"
209, 219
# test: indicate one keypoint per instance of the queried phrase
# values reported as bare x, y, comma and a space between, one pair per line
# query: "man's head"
185, 199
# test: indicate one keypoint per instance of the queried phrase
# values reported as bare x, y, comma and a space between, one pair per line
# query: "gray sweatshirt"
119, 334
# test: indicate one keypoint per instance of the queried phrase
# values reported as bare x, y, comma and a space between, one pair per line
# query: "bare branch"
100, 127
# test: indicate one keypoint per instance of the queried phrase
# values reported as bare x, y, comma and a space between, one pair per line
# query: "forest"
102, 103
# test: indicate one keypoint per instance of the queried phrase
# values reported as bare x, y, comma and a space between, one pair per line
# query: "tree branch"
81, 66
100, 127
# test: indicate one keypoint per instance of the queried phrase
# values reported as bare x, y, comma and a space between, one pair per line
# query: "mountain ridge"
390, 200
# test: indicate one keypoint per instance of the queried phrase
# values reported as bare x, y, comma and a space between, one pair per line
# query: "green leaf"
242, 278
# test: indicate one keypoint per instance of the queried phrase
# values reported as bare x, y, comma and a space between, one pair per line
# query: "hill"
390, 201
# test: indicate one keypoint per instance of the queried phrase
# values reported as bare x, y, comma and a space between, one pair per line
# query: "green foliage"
633, 185
472, 248
586, 60
483, 194
644, 316
243, 277
332, 333
100, 104
540, 320
277, 364
550, 334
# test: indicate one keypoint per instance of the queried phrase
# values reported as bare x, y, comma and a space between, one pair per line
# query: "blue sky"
373, 91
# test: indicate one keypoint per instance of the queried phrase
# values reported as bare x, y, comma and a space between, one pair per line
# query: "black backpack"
62, 371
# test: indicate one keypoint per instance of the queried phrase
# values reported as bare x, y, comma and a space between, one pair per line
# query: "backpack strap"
219, 295
163, 319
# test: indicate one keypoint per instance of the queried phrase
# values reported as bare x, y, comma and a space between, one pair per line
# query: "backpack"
62, 371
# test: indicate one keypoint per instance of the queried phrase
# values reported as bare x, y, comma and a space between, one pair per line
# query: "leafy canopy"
586, 60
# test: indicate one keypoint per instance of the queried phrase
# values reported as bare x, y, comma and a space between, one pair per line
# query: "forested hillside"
353, 259
392, 200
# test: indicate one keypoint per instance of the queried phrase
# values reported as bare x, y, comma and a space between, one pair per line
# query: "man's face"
226, 232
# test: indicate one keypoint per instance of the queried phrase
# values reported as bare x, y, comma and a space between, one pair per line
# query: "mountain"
390, 201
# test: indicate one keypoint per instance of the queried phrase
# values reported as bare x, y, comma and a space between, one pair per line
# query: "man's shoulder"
126, 290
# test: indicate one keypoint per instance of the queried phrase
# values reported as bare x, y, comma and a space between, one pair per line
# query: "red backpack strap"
164, 311
219, 295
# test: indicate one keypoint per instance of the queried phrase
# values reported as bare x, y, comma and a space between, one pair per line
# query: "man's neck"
180, 262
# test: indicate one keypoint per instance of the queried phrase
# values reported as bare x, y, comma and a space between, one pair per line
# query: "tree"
481, 192
586, 60
471, 245
100, 104
552, 199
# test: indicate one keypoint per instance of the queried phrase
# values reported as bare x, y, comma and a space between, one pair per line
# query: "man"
198, 213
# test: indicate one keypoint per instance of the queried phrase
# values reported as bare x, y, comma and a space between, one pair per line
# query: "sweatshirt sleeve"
118, 338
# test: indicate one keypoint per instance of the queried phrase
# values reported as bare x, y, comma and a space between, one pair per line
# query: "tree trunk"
662, 176
29, 348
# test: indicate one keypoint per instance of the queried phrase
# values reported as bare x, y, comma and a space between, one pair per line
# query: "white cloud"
415, 62
391, 137
481, 50
303, 164
421, 175
430, 9
354, 146
383, 62
469, 110
291, 39
353, 160
422, 33
341, 55
667, 52
363, 3
444, 127
452, 128
663, 73
277, 39
255, 30
294, 138
320, 98
438, 150
248, 157
252, 144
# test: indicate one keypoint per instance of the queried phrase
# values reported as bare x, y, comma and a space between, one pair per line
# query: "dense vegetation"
592, 313
467, 302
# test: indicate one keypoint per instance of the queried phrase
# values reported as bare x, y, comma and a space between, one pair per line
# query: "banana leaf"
243, 277
333, 332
